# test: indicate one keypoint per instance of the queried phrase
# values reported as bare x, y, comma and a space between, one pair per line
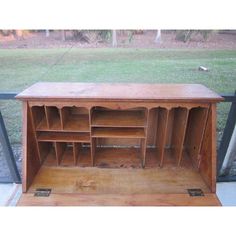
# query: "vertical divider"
62, 118
92, 140
47, 117
163, 115
59, 150
202, 137
76, 152
179, 131
64, 114
144, 141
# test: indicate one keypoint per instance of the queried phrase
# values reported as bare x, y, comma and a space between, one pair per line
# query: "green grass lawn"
23, 67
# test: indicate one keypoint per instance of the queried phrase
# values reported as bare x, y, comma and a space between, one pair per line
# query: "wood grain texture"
93, 180
119, 200
118, 91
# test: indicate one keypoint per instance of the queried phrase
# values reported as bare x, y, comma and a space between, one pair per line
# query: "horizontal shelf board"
63, 137
118, 118
77, 123
118, 133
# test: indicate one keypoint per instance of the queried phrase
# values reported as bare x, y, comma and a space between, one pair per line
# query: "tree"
63, 35
114, 40
158, 37
47, 33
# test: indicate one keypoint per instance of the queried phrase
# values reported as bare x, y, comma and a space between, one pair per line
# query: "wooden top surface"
118, 91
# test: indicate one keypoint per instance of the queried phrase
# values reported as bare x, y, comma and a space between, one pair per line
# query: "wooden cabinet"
119, 144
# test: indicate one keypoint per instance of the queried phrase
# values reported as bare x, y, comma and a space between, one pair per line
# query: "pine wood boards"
118, 91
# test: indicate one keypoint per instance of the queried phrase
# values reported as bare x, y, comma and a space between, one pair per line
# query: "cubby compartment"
171, 128
53, 118
102, 117
39, 117
75, 119
109, 155
65, 154
194, 134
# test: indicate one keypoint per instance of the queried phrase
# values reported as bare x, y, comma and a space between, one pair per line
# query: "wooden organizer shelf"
47, 136
129, 135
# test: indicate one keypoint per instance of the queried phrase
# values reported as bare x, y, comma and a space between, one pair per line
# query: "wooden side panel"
31, 160
207, 165
119, 200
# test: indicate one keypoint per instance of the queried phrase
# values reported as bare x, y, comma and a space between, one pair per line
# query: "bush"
186, 35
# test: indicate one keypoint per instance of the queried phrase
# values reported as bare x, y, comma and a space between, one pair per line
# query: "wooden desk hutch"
119, 144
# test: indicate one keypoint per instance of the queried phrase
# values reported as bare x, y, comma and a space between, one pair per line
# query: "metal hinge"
195, 192
42, 192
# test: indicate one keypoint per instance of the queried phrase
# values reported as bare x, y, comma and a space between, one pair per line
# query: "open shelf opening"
110, 153
39, 117
53, 118
102, 117
195, 132
75, 119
